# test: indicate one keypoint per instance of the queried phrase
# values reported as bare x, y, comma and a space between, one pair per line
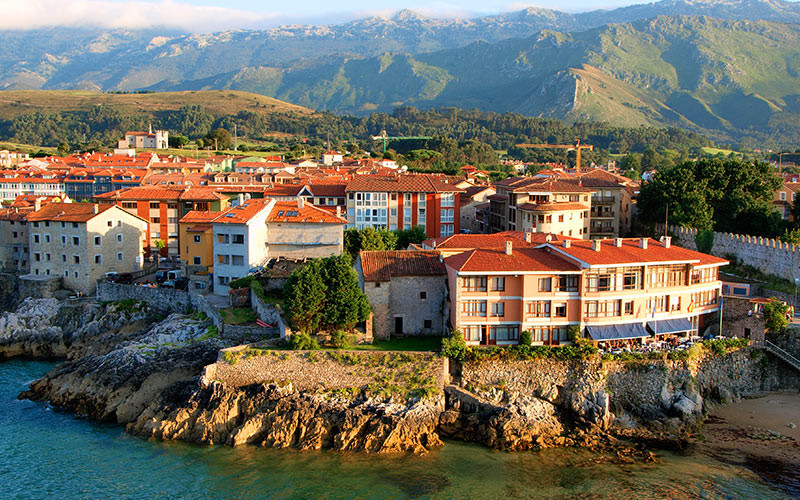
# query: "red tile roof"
495, 240
68, 212
520, 260
242, 214
382, 265
288, 211
401, 184
631, 253
196, 216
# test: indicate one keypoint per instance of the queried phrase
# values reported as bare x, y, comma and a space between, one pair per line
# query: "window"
504, 333
498, 283
474, 307
423, 295
674, 303
197, 238
129, 204
601, 281
119, 256
35, 224
474, 284
154, 205
76, 259
498, 309
47, 257
47, 238
37, 257
74, 226
601, 308
110, 223
119, 238
538, 309
448, 215
448, 199
427, 324
560, 310
559, 333
630, 278
629, 307
447, 230
223, 238
237, 260
238, 239
540, 334
545, 284
567, 283
36, 238
98, 259
393, 212
76, 240
473, 333
658, 304
196, 260
224, 259
63, 258
97, 241
377, 284
15, 234
155, 220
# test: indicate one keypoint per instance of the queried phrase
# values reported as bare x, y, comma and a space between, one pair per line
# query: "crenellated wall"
769, 255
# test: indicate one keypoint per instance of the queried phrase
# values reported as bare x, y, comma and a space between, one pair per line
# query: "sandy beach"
762, 434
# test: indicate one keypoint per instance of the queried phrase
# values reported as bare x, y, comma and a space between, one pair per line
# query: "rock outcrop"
269, 415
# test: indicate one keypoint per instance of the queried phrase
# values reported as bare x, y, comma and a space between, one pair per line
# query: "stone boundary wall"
38, 288
201, 304
270, 314
325, 370
771, 256
243, 334
643, 388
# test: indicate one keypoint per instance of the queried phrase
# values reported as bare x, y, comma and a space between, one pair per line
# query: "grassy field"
716, 151
238, 315
220, 102
27, 148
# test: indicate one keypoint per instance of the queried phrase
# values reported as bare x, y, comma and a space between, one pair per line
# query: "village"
547, 259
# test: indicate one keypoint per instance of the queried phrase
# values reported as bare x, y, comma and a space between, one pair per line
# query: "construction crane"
577, 147
386, 138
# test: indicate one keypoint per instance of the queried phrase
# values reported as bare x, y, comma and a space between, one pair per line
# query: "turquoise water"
48, 454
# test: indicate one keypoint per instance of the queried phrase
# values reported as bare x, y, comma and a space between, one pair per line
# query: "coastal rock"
29, 331
269, 415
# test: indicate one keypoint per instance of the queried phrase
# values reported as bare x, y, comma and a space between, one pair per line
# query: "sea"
48, 454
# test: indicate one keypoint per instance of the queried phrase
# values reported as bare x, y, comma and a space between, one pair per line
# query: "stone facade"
739, 319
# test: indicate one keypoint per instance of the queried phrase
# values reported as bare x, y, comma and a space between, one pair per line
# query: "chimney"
509, 247
37, 204
94, 208
300, 202
617, 242
241, 199
434, 244
643, 243
528, 237
566, 243
338, 211
666, 241
596, 244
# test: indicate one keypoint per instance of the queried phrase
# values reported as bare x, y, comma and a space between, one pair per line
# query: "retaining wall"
270, 314
325, 370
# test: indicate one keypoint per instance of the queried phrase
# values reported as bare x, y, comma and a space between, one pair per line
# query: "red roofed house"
407, 291
80, 242
615, 291
403, 202
299, 230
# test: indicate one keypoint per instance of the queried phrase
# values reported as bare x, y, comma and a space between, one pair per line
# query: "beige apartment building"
80, 242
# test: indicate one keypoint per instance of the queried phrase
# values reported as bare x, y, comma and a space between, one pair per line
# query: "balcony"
603, 200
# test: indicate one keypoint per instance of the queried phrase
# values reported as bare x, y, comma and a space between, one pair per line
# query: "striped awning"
617, 332
667, 326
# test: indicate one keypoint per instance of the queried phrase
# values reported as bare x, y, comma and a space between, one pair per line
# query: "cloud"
130, 14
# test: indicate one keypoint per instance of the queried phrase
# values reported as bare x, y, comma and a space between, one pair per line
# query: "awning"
617, 332
666, 326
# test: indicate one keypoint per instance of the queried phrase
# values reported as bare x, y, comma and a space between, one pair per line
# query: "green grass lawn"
238, 315
404, 344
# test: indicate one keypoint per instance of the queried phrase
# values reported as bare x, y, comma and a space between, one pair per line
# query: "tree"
220, 138
63, 149
650, 159
371, 239
775, 315
389, 238
406, 237
178, 141
325, 295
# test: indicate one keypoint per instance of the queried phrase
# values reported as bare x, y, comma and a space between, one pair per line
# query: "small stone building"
407, 290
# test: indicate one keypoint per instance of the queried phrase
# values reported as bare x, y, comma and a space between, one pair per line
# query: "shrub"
303, 342
340, 339
454, 346
525, 338
574, 334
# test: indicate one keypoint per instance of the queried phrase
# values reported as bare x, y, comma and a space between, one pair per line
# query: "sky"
217, 15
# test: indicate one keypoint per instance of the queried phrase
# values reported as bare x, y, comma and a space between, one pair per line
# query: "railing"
777, 351
603, 199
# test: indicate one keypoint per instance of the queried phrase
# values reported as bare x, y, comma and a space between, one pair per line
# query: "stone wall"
270, 314
321, 371
162, 299
739, 319
244, 334
200, 303
38, 287
769, 255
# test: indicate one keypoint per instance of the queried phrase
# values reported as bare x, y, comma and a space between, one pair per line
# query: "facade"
80, 242
404, 202
471, 199
197, 248
407, 292
298, 230
613, 290
14, 249
146, 140
87, 183
784, 199
240, 241
540, 205
15, 183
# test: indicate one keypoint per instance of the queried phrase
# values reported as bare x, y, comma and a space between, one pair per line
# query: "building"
80, 242
196, 234
332, 157
14, 183
14, 246
145, 140
617, 290
784, 199
540, 205
403, 202
612, 206
299, 230
87, 183
471, 199
407, 292
240, 241
459, 243
163, 207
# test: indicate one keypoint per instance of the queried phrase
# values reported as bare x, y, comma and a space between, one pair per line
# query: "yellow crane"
577, 147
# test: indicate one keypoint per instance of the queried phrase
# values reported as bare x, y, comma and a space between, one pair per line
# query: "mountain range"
726, 68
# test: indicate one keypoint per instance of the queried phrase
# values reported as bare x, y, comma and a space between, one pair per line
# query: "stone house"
407, 290
80, 242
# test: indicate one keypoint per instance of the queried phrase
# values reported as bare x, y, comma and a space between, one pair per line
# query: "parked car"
176, 284
163, 275
124, 278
